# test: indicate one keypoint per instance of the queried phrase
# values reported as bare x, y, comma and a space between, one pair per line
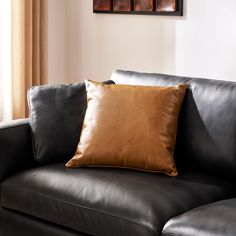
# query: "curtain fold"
29, 50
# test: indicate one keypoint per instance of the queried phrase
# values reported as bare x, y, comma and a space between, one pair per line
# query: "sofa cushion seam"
171, 234
79, 206
14, 127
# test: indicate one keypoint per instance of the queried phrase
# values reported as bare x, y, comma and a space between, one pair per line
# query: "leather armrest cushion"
15, 147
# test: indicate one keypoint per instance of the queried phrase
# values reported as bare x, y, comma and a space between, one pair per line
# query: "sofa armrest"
16, 152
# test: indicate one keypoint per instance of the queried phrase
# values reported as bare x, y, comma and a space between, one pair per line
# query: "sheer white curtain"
5, 61
23, 53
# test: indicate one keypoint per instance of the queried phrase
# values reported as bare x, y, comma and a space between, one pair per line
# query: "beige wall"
57, 55
86, 45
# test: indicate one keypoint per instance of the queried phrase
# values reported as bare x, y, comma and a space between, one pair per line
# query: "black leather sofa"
51, 200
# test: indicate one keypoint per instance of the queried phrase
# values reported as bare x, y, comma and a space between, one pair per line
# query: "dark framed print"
166, 5
122, 5
143, 5
104, 5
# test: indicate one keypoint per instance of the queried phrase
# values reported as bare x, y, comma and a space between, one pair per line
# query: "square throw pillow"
130, 127
56, 118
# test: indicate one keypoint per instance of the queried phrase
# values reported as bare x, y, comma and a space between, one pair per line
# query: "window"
5, 60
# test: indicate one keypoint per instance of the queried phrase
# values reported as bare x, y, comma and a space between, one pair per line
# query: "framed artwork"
104, 5
147, 7
121, 5
166, 5
143, 5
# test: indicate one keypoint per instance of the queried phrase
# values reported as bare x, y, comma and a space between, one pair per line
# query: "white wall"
206, 40
87, 45
57, 41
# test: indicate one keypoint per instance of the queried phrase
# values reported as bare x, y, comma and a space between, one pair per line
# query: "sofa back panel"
206, 137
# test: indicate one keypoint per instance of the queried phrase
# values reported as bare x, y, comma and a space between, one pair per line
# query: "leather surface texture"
207, 125
17, 224
108, 201
130, 126
216, 219
56, 118
15, 147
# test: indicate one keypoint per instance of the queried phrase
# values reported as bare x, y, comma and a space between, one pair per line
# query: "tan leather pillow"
130, 127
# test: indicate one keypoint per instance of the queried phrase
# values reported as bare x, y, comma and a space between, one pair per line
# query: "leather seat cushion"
213, 219
107, 201
18, 224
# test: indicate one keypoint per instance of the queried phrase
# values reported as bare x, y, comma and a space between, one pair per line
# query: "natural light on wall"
5, 60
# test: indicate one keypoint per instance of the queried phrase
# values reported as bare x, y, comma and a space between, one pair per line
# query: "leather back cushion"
206, 137
56, 118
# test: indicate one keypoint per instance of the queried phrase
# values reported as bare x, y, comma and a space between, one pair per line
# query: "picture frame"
121, 5
142, 7
104, 5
